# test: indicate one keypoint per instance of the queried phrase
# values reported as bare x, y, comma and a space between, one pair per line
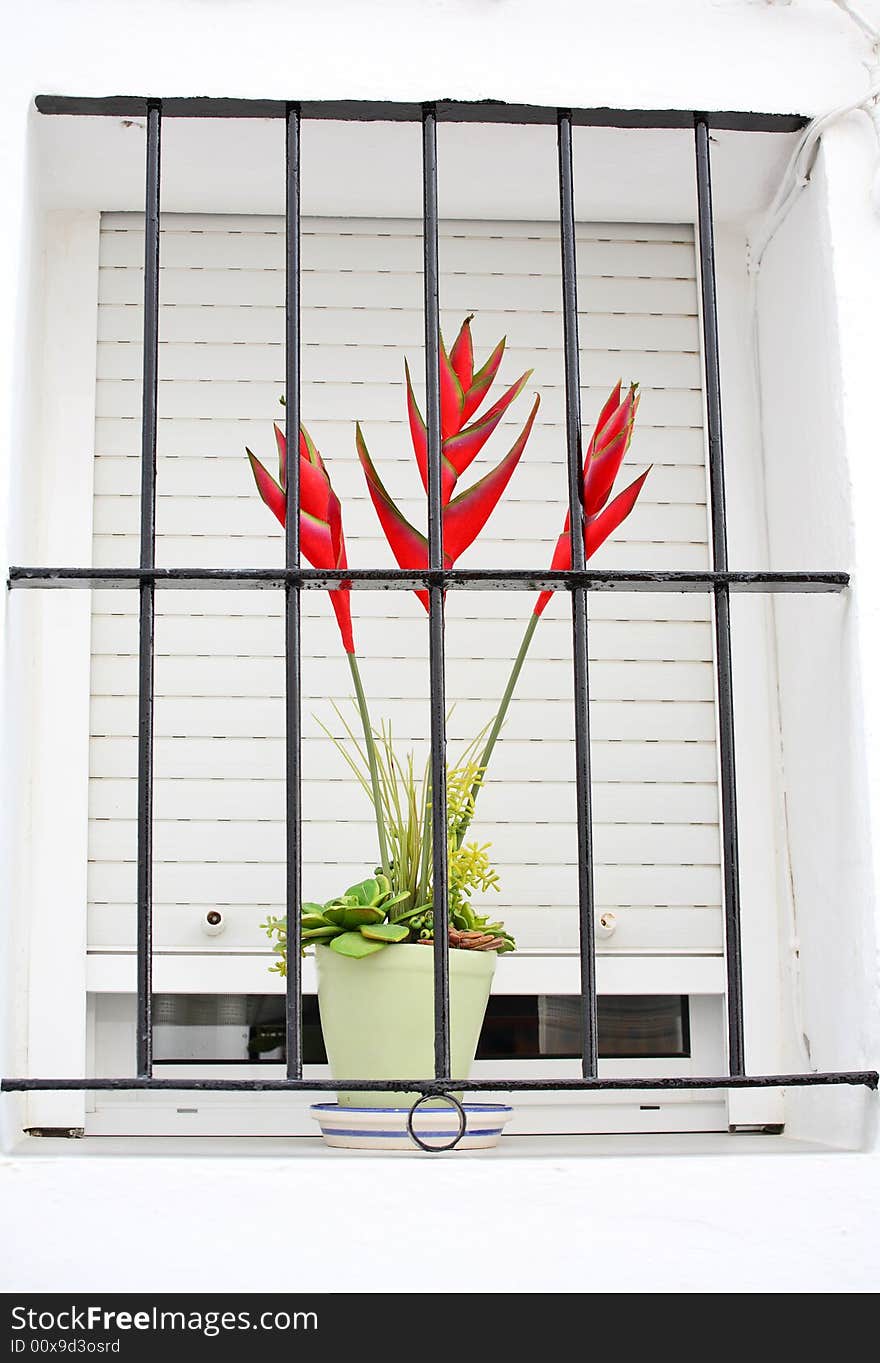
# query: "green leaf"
367, 891
355, 945
386, 932
367, 913
314, 920
316, 934
354, 916
411, 913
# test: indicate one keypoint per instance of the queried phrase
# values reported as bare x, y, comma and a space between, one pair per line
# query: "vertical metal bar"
149, 419
292, 643
435, 597
586, 922
729, 836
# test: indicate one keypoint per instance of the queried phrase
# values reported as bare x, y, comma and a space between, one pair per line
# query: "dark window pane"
230, 1028
549, 1026
239, 1028
644, 1025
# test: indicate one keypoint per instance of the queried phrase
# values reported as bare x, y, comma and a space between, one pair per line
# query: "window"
673, 922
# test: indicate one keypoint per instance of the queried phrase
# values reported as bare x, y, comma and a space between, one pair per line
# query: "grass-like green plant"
383, 910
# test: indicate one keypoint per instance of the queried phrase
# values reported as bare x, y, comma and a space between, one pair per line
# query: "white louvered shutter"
219, 753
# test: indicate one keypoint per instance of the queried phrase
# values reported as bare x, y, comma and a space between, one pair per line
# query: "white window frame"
54, 630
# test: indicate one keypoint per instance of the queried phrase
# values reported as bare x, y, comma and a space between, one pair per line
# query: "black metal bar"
580, 646
149, 428
726, 741
437, 671
292, 622
455, 579
448, 111
859, 1078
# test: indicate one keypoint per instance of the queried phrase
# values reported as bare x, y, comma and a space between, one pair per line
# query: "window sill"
635, 1213
526, 1147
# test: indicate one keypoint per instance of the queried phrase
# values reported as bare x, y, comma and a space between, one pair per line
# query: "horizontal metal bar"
858, 1078
455, 579
385, 111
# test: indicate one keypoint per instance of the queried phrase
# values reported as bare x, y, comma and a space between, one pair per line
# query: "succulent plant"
468, 931
355, 923
360, 922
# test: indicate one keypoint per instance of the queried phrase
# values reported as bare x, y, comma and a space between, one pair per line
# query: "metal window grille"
292, 579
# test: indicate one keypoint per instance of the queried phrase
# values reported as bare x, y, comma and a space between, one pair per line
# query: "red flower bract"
461, 393
320, 521
605, 454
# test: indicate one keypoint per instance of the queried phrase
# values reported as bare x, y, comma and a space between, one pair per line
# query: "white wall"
767, 1222
811, 475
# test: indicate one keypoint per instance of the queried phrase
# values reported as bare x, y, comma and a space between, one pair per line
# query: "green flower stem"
497, 725
424, 888
371, 758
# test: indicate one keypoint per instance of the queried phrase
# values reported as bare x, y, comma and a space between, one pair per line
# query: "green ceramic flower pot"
377, 1015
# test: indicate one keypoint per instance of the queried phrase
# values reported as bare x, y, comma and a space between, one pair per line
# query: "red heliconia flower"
605, 454
461, 393
320, 520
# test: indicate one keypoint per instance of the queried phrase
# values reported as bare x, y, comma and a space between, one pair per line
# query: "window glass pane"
549, 1027
250, 1027
230, 1028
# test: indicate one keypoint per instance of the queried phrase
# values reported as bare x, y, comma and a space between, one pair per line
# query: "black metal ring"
462, 1123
